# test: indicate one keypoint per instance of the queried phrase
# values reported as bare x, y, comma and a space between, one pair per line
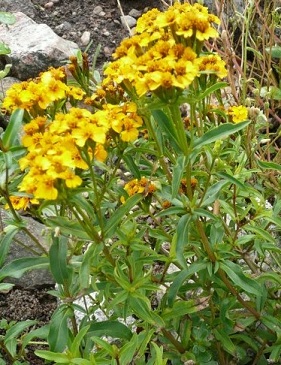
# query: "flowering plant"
156, 208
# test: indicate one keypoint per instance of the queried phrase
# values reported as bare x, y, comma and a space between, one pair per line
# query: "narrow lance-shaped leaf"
58, 334
167, 128
220, 132
178, 172
120, 213
12, 132
17, 268
113, 329
235, 273
58, 260
181, 278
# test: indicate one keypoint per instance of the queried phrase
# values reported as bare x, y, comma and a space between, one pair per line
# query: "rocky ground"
94, 21
82, 21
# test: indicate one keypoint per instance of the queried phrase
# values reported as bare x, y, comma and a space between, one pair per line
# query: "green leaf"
143, 311
236, 275
210, 90
220, 132
113, 329
213, 193
5, 287
181, 278
4, 49
120, 213
225, 341
7, 68
12, 334
177, 174
7, 18
93, 251
59, 332
134, 169
6, 240
269, 165
53, 356
41, 332
58, 260
12, 132
167, 127
75, 346
181, 239
171, 211
231, 179
105, 345
275, 51
68, 227
128, 351
260, 232
179, 309
18, 267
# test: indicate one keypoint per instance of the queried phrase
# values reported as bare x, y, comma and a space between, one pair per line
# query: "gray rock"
85, 38
25, 6
128, 20
135, 13
97, 10
34, 278
34, 47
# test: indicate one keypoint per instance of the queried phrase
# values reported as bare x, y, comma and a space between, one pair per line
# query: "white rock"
49, 5
135, 13
129, 20
34, 47
85, 38
97, 10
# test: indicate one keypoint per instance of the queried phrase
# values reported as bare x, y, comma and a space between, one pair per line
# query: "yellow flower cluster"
55, 149
238, 113
37, 95
142, 186
57, 143
165, 51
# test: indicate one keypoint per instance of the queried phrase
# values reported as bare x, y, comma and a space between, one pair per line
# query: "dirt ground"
71, 18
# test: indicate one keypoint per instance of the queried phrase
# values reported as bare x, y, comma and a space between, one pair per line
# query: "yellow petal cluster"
165, 51
57, 142
37, 95
238, 113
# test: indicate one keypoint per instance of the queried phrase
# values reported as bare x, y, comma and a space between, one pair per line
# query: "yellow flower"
76, 92
142, 186
19, 202
238, 113
212, 64
71, 180
100, 153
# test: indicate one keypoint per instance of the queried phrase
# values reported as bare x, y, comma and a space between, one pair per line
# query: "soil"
69, 19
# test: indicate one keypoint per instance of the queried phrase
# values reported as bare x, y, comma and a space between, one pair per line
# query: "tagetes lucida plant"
147, 167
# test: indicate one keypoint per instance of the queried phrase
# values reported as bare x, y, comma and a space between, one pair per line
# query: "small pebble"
127, 19
49, 5
106, 33
97, 10
102, 13
135, 13
107, 51
85, 38
56, 1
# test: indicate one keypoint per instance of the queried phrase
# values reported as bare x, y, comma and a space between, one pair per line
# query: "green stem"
175, 342
212, 257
